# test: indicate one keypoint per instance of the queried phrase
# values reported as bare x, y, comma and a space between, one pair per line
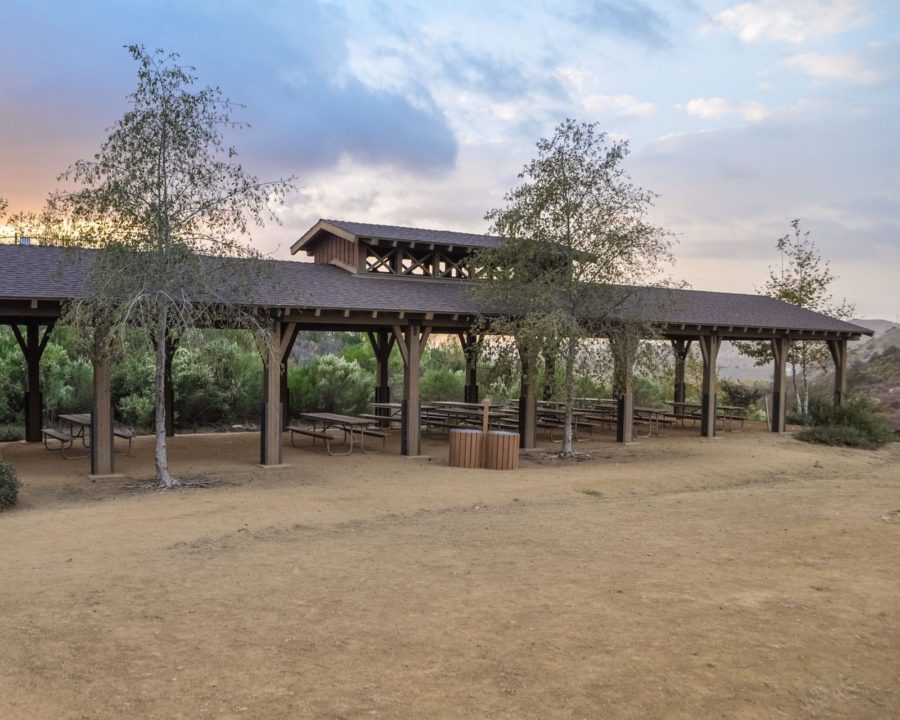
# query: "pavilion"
399, 285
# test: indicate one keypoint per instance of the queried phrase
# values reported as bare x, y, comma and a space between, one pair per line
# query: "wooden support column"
32, 345
382, 343
838, 350
681, 349
171, 347
780, 348
527, 402
288, 337
469, 343
624, 351
102, 450
411, 340
709, 346
270, 429
549, 390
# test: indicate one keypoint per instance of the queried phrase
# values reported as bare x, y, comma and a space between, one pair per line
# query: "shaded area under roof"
52, 273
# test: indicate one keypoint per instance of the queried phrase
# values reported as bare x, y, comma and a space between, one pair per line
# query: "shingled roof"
370, 231
52, 273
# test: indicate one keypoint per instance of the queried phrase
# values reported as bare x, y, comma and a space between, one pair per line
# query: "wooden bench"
63, 438
315, 435
385, 420
363, 432
125, 434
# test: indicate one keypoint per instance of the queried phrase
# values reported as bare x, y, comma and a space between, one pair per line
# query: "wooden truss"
398, 259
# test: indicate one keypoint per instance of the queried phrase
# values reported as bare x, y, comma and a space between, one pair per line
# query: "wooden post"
32, 347
171, 347
382, 343
270, 430
780, 348
838, 350
681, 349
411, 340
288, 337
527, 403
102, 451
709, 346
624, 351
549, 390
469, 343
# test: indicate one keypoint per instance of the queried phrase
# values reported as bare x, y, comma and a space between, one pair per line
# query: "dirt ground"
748, 576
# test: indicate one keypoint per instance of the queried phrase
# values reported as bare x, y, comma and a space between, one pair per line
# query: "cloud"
624, 105
717, 107
794, 22
287, 65
848, 67
631, 19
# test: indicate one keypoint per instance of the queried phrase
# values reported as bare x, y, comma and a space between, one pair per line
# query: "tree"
168, 205
803, 278
575, 231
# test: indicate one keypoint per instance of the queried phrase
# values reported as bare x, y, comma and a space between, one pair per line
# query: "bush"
442, 384
9, 486
137, 411
851, 425
330, 384
741, 394
11, 433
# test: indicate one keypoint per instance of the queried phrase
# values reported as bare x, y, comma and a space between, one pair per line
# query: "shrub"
9, 486
330, 384
741, 394
851, 424
442, 384
10, 433
137, 411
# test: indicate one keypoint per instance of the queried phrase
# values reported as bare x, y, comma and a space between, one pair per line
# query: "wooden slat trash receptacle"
466, 448
502, 451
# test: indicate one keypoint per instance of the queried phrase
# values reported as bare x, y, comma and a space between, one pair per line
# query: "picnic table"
385, 413
355, 430
728, 414
79, 428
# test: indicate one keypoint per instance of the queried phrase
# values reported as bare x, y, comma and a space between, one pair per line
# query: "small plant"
9, 486
10, 433
850, 425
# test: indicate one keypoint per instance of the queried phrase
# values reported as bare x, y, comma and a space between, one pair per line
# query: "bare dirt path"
743, 577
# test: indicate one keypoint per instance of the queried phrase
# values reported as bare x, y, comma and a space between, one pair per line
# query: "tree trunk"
162, 460
569, 381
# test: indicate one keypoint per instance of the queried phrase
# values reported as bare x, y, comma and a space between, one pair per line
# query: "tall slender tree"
169, 205
802, 278
575, 231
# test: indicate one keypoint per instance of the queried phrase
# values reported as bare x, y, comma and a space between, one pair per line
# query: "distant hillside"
875, 369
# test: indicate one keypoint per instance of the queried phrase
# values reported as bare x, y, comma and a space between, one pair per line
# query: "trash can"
466, 448
502, 452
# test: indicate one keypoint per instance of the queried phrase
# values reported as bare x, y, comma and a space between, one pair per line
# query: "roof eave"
323, 225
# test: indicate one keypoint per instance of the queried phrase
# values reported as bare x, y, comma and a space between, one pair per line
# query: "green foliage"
802, 278
740, 394
330, 384
9, 485
648, 391
574, 228
852, 425
442, 383
137, 411
11, 433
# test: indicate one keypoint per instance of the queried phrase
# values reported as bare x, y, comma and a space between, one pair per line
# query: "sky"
740, 115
